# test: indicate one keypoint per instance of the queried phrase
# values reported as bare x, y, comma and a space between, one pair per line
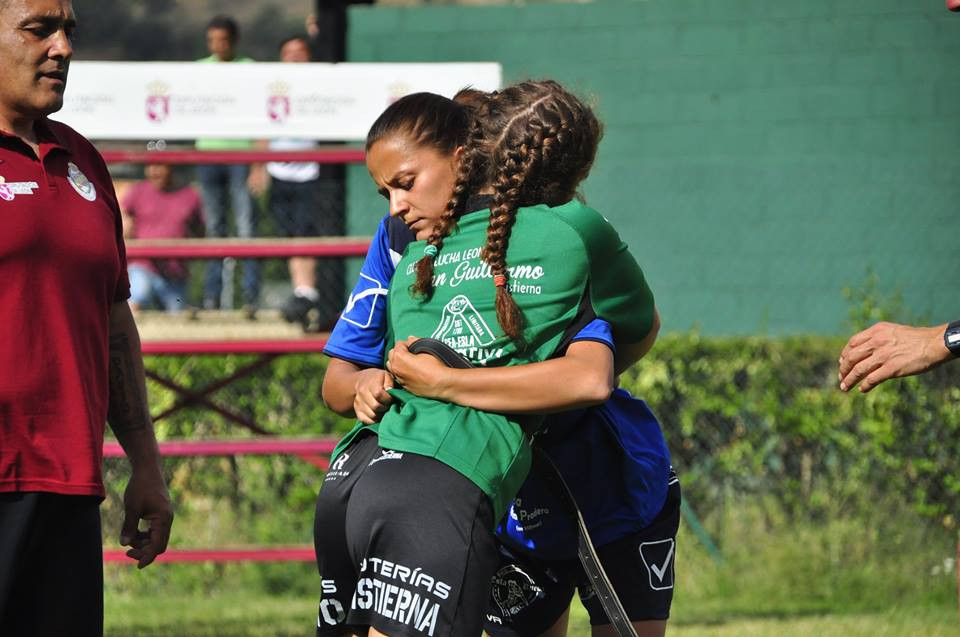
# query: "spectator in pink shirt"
158, 208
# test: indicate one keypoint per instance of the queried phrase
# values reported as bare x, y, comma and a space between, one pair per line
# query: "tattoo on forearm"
127, 406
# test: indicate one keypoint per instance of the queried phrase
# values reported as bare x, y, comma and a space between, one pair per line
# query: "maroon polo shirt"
62, 266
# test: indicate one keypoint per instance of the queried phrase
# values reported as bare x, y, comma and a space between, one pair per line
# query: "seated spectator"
158, 209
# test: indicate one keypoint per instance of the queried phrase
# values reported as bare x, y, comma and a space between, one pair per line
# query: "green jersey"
224, 144
558, 259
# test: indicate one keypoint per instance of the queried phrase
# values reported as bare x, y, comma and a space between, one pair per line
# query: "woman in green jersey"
500, 279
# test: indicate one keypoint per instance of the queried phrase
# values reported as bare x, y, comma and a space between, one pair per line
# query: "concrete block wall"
759, 156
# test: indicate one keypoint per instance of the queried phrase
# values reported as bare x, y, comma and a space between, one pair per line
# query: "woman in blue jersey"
396, 593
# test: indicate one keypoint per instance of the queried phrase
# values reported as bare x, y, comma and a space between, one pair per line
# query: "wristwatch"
951, 338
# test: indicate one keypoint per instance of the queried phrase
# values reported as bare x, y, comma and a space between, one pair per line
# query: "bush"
763, 417
813, 493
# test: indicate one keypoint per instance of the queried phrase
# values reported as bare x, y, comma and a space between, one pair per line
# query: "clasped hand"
421, 374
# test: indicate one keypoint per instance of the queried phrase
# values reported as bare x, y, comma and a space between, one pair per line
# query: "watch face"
951, 338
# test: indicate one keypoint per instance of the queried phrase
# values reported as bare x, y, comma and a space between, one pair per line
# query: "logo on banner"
158, 101
9, 191
80, 183
397, 90
278, 103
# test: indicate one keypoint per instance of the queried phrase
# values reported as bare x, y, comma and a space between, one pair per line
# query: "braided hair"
532, 143
434, 121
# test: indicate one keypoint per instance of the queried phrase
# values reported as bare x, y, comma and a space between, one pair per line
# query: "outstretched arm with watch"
890, 350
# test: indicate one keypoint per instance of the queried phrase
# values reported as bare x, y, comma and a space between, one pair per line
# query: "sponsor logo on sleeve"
362, 304
395, 257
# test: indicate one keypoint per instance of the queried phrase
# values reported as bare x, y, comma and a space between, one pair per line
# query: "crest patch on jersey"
80, 183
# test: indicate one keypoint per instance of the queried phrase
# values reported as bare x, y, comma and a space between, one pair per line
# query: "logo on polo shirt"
9, 191
80, 183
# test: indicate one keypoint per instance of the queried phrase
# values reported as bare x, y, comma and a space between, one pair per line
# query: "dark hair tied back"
437, 122
532, 143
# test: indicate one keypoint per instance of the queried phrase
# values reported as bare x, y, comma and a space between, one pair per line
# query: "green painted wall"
759, 155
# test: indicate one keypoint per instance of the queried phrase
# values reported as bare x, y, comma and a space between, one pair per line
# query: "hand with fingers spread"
422, 374
146, 499
371, 399
890, 350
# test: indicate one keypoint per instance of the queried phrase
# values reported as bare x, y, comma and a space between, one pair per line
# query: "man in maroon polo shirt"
69, 350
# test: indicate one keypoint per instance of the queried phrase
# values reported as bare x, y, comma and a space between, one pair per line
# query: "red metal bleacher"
315, 450
301, 447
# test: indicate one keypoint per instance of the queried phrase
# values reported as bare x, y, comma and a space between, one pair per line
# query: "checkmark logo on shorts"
658, 558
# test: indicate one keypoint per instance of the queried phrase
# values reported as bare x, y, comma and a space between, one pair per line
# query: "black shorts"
312, 208
404, 544
529, 595
51, 565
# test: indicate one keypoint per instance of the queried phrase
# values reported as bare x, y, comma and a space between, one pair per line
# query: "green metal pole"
691, 520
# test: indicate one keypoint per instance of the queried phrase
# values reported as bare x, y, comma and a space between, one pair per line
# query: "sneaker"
250, 312
297, 309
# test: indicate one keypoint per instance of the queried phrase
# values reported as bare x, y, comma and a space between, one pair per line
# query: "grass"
247, 615
838, 576
217, 615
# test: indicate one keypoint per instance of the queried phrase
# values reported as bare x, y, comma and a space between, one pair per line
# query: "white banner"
187, 100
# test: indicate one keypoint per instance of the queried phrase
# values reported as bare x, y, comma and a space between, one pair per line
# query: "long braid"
545, 142
521, 165
470, 164
507, 188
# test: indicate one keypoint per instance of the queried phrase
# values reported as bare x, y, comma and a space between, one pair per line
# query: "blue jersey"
613, 456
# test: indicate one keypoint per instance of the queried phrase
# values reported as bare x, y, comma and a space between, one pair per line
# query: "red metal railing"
316, 451
319, 155
249, 554
246, 248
